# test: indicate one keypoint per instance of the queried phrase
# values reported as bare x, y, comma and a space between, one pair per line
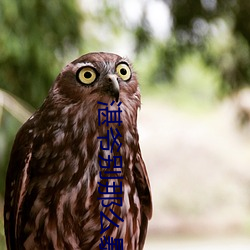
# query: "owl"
76, 178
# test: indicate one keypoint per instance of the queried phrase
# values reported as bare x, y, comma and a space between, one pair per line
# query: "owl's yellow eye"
123, 71
86, 75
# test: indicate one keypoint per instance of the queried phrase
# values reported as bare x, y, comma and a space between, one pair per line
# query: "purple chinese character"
116, 159
112, 244
112, 222
110, 116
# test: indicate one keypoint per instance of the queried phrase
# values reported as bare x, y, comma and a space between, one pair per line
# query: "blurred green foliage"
205, 56
219, 30
38, 38
2, 237
7, 131
34, 36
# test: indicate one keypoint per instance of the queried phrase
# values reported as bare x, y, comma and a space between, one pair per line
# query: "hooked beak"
114, 86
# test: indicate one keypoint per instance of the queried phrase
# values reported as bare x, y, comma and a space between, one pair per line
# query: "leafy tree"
35, 38
35, 35
193, 27
218, 29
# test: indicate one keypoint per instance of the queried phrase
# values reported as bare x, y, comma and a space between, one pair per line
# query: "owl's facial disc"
114, 86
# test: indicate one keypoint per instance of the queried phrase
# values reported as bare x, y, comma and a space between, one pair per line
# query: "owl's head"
98, 77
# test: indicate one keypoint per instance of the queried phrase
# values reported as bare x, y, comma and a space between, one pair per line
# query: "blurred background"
192, 60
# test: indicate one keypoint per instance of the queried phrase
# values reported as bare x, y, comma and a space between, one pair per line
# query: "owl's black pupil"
123, 71
87, 75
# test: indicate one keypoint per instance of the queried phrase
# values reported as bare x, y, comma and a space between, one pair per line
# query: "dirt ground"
222, 244
198, 165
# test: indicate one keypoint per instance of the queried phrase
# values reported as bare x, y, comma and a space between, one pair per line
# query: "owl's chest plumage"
69, 188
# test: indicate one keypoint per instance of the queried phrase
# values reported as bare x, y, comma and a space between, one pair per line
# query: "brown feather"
51, 198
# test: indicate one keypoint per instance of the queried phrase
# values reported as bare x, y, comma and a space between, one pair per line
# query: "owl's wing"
16, 182
144, 192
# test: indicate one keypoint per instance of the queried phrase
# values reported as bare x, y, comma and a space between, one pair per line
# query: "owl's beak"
114, 86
